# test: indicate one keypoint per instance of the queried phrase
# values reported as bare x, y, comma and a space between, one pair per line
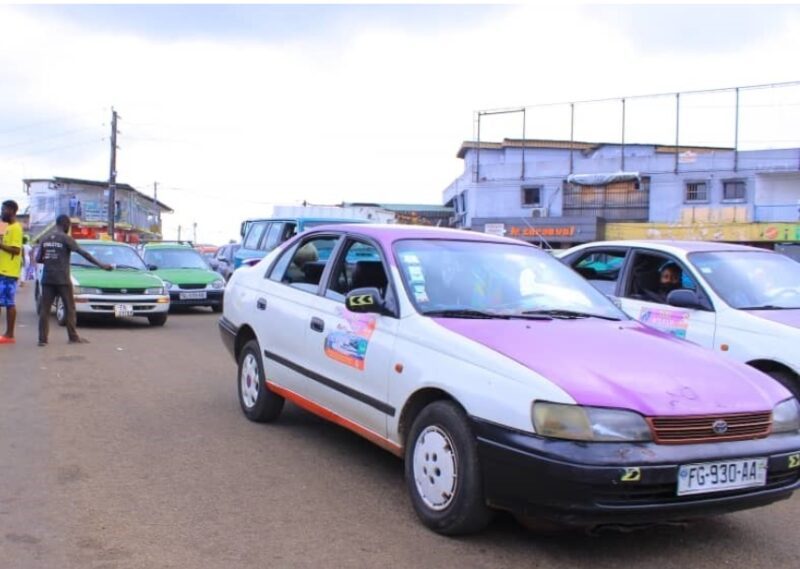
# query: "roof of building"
395, 207
98, 184
576, 145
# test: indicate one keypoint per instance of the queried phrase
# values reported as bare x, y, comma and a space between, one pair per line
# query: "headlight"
786, 416
218, 284
158, 291
578, 423
168, 285
87, 290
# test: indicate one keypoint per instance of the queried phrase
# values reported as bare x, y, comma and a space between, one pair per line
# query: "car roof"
676, 246
390, 233
167, 246
103, 242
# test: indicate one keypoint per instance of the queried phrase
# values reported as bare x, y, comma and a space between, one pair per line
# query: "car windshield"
175, 259
121, 256
751, 280
486, 279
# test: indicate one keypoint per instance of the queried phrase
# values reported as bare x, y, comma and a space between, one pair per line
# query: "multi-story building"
560, 193
137, 215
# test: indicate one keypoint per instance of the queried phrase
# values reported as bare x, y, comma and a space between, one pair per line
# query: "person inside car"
669, 280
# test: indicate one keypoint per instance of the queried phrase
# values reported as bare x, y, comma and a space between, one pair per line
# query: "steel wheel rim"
435, 467
60, 315
250, 381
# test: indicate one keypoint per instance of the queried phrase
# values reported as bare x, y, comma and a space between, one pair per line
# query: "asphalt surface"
131, 452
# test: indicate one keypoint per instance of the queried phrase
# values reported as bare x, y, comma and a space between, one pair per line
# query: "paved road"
131, 452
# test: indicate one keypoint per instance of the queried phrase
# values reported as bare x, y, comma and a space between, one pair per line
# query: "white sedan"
504, 380
740, 301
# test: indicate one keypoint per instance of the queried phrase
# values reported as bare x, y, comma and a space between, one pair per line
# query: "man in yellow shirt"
10, 266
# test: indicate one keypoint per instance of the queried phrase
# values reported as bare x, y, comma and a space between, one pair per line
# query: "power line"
48, 121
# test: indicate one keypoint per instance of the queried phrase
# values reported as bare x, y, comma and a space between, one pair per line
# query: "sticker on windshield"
410, 259
349, 342
415, 274
420, 294
675, 322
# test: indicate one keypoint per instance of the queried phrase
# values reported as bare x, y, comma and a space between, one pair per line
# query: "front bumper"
212, 297
582, 483
103, 305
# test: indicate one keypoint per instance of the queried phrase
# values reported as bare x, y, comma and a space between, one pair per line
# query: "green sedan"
187, 275
129, 290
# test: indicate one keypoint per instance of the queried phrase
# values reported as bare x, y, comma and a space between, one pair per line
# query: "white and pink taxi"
505, 381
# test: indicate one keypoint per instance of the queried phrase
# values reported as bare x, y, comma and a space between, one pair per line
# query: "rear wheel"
157, 319
258, 403
443, 474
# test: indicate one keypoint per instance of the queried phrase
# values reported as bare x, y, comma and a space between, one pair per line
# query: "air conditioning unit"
539, 212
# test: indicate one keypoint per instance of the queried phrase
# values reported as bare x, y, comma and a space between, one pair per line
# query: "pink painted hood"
626, 365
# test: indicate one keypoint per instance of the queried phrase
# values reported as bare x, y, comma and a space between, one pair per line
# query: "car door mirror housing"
152, 267
685, 298
366, 301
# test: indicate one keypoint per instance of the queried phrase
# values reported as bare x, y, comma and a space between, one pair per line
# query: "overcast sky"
233, 108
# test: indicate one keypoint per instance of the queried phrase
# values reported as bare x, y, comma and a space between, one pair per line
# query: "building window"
696, 192
734, 191
532, 196
643, 184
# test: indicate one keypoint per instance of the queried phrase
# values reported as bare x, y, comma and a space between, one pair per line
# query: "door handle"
317, 324
261, 304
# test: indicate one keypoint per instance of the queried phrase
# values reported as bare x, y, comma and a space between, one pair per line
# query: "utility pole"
179, 233
112, 177
194, 233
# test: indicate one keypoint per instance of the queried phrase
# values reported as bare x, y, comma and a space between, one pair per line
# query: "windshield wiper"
470, 313
569, 314
122, 266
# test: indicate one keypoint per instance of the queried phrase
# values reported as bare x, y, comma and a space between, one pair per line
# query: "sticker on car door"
675, 322
349, 342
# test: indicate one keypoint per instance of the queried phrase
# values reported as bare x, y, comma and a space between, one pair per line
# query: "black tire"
268, 405
217, 308
788, 379
465, 511
157, 319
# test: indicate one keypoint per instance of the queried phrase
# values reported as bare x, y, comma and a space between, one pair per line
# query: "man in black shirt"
55, 249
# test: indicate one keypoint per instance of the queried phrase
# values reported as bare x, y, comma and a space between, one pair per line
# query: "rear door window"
302, 266
602, 268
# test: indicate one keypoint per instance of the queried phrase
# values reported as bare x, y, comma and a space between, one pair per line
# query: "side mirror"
152, 268
685, 298
365, 301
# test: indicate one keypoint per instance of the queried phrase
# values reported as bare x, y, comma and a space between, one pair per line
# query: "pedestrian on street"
54, 253
10, 266
26, 261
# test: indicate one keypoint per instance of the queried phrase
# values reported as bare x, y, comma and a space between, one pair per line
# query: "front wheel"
61, 312
788, 379
258, 403
443, 474
157, 319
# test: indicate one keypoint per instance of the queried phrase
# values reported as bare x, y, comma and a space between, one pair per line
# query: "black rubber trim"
349, 391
